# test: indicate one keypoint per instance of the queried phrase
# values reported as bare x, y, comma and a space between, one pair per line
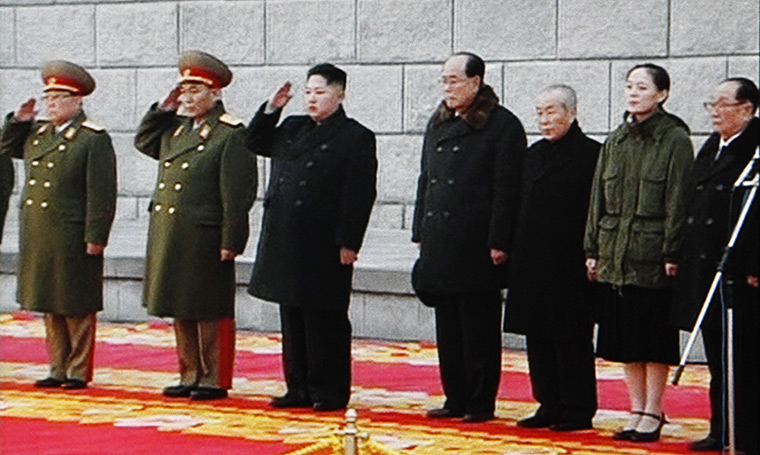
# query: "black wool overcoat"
467, 197
548, 288
319, 199
707, 227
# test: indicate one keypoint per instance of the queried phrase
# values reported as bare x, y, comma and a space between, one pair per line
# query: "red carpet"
123, 412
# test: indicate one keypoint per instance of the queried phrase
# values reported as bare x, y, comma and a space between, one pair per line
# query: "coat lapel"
47, 140
185, 139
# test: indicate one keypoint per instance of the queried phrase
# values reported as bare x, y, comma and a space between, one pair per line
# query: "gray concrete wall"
392, 50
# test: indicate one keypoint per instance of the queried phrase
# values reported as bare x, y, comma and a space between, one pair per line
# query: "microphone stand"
748, 178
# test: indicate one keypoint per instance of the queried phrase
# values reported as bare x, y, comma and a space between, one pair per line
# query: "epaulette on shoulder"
93, 126
43, 125
231, 120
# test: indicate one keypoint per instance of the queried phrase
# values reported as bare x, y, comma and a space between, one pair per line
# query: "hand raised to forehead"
26, 112
281, 96
171, 102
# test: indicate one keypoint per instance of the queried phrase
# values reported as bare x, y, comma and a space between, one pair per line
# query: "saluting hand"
26, 112
171, 102
280, 97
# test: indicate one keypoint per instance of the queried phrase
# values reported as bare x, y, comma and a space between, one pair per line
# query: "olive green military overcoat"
206, 186
68, 199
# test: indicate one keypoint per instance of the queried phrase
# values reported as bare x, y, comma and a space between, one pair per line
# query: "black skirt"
635, 326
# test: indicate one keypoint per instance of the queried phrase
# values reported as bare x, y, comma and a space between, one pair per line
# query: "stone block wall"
392, 51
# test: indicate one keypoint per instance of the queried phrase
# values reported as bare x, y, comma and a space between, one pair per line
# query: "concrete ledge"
383, 305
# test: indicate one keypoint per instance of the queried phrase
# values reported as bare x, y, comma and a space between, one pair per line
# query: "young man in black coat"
548, 290
719, 163
466, 206
316, 210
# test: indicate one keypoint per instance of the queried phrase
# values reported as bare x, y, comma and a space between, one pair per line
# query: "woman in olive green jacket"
633, 233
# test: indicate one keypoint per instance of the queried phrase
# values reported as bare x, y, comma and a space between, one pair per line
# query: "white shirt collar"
725, 142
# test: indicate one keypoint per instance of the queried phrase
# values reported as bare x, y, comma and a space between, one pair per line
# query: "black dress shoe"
325, 406
538, 421
623, 435
650, 436
48, 383
476, 417
626, 433
444, 413
571, 425
708, 444
73, 384
291, 401
208, 393
178, 391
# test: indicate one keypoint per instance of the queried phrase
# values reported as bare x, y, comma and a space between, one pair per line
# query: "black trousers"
747, 370
563, 377
468, 332
713, 342
316, 353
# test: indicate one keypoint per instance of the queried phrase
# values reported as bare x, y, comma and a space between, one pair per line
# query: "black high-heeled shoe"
625, 434
650, 436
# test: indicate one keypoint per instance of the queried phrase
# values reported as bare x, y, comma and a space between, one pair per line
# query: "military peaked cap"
67, 76
197, 66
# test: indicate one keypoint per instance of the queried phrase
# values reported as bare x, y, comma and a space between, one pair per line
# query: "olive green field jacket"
638, 201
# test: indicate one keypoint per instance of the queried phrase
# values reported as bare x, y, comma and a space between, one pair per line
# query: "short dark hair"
659, 76
474, 66
746, 91
331, 73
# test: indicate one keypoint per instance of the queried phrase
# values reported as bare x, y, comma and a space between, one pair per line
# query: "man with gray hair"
547, 299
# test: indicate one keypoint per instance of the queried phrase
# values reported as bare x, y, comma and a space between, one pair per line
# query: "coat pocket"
612, 182
647, 237
651, 202
206, 216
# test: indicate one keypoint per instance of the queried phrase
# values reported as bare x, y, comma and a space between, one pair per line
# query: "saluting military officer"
69, 200
199, 222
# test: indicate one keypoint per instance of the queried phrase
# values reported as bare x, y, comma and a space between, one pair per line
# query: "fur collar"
478, 113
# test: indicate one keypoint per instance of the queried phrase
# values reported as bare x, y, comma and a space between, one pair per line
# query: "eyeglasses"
720, 105
452, 80
58, 97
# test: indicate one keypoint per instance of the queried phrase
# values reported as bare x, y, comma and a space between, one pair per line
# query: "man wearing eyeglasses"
68, 204
719, 163
198, 222
464, 217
